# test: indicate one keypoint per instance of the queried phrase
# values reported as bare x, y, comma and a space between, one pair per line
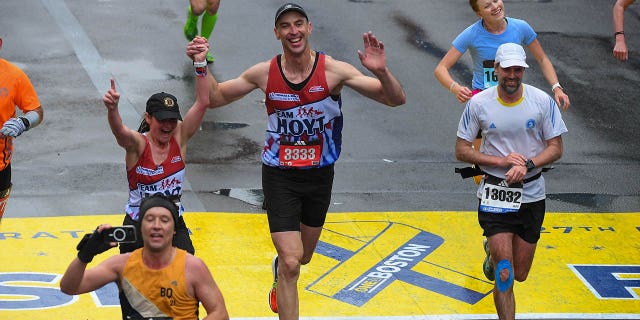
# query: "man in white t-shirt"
522, 127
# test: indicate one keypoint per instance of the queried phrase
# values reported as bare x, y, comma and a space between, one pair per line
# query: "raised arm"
205, 289
231, 90
385, 89
193, 119
221, 94
125, 137
550, 74
77, 279
441, 72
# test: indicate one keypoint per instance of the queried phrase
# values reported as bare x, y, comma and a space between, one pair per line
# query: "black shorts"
294, 196
526, 223
5, 178
180, 240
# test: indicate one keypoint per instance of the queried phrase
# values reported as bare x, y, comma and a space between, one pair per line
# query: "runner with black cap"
155, 155
304, 136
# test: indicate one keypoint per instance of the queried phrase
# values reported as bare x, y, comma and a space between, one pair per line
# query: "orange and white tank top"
159, 293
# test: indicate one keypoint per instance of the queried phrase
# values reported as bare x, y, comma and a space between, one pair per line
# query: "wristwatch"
530, 165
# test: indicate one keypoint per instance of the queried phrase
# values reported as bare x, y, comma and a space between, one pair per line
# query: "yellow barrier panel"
384, 264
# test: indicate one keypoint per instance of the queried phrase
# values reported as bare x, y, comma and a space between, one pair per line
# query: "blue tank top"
482, 46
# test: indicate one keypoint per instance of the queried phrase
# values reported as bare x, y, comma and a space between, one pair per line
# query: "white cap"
511, 54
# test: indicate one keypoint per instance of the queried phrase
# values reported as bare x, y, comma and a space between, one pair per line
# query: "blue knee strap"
504, 285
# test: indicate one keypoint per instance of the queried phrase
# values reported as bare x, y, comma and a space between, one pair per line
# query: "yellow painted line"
381, 265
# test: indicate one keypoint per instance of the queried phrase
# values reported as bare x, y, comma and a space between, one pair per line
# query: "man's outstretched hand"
373, 57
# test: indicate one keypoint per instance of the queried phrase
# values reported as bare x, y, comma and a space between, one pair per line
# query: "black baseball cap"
289, 7
163, 106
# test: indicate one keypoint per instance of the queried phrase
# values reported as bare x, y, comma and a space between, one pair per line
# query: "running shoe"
191, 25
487, 265
272, 293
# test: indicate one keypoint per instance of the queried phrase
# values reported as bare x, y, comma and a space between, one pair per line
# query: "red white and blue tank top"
146, 178
304, 125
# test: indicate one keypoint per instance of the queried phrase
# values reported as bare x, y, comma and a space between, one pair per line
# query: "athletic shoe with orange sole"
273, 304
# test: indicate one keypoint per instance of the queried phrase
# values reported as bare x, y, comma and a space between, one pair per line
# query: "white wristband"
200, 64
453, 84
556, 85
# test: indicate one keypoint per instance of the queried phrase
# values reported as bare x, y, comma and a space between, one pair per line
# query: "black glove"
91, 245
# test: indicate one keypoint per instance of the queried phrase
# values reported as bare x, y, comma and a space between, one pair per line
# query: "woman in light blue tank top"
482, 39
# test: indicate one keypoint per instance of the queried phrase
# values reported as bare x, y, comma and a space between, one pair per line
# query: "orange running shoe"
273, 303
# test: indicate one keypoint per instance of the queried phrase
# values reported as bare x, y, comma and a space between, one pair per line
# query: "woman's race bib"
490, 78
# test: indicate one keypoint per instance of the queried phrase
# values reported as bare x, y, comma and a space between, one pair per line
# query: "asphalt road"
393, 159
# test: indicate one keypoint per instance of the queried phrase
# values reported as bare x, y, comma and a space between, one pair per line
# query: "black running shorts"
294, 196
5, 178
526, 223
